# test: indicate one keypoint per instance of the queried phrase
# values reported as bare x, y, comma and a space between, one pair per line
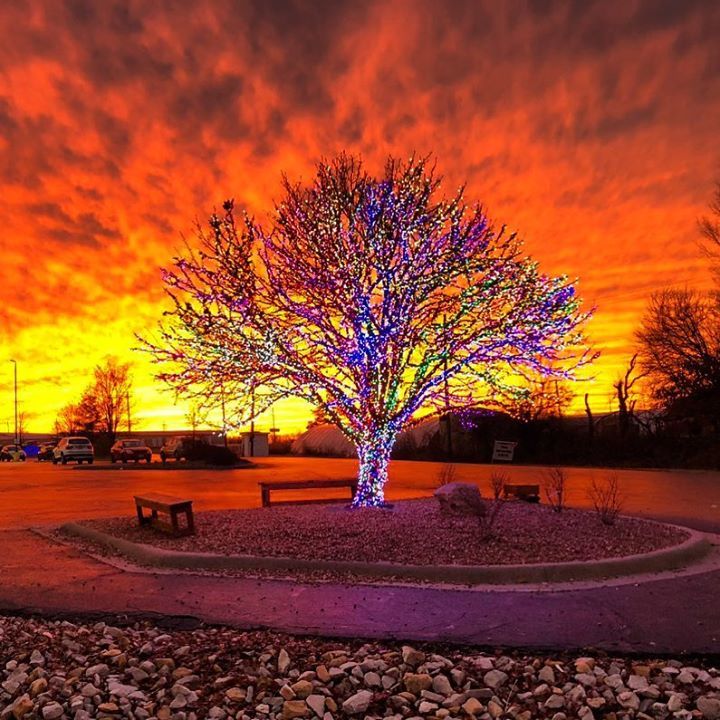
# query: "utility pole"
127, 397
17, 441
252, 420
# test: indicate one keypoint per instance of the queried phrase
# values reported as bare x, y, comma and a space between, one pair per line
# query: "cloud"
589, 126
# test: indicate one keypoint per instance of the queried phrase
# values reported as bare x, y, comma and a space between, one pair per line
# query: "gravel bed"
58, 670
412, 532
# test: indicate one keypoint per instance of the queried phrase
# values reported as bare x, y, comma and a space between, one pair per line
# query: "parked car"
79, 449
177, 448
127, 449
45, 452
10, 453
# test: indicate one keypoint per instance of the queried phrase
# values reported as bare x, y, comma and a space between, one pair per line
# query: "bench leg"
190, 521
266, 497
140, 516
174, 521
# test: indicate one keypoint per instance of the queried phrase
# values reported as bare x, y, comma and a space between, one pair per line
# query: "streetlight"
17, 441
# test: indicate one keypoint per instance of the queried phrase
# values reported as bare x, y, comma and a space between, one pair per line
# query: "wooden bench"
529, 493
267, 487
167, 505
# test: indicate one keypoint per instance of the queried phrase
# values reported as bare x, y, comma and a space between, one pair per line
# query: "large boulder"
458, 498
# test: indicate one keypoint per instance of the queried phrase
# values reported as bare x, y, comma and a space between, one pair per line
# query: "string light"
374, 298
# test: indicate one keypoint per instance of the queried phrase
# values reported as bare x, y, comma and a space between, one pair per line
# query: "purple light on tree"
375, 299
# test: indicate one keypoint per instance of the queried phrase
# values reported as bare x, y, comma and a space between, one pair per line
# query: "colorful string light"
373, 298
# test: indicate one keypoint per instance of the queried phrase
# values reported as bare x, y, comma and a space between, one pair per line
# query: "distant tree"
194, 418
364, 298
538, 398
626, 395
680, 349
111, 386
710, 229
103, 406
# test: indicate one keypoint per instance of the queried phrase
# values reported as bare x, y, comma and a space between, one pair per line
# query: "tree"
363, 296
625, 395
109, 395
104, 404
710, 229
680, 348
539, 397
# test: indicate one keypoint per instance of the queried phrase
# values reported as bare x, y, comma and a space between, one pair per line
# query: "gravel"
59, 669
412, 532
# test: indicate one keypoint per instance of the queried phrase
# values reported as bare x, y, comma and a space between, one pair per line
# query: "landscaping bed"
61, 669
413, 532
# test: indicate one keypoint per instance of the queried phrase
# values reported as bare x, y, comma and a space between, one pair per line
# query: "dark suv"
178, 448
126, 450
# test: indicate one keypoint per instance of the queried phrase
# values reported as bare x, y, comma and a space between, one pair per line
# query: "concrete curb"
694, 548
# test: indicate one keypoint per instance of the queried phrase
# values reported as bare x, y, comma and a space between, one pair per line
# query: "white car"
12, 453
78, 449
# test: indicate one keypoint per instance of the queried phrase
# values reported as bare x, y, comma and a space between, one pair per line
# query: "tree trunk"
374, 457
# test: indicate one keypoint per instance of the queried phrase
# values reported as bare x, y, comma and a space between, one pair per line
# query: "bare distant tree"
710, 228
680, 347
540, 398
626, 395
110, 390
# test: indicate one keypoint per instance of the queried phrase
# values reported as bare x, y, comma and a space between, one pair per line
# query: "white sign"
503, 450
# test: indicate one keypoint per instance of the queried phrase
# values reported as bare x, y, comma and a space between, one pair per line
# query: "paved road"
661, 615
38, 493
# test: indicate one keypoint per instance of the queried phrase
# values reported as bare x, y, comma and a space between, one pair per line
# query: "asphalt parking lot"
33, 493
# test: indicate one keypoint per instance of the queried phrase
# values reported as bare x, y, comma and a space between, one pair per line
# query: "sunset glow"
590, 128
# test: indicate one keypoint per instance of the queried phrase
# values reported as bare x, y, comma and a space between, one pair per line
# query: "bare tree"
626, 395
554, 485
680, 348
606, 498
110, 389
710, 229
374, 298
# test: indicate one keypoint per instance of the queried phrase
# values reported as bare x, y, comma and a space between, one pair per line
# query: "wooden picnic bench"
167, 505
267, 487
529, 493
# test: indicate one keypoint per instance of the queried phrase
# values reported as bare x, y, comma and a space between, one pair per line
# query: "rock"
584, 665
322, 674
411, 656
37, 658
372, 679
358, 703
495, 679
709, 707
22, 706
494, 709
52, 711
178, 702
637, 682
675, 702
458, 498
472, 706
38, 686
294, 709
236, 694
484, 663
302, 688
547, 675
415, 684
316, 703
441, 685
425, 707
685, 677
283, 662
110, 708
554, 702
101, 669
628, 700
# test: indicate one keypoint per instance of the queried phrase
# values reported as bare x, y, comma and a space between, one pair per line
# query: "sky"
590, 127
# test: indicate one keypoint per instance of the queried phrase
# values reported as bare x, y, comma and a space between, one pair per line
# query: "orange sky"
590, 127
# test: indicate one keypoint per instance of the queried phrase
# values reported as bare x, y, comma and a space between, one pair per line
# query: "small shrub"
446, 475
487, 515
497, 483
554, 486
606, 498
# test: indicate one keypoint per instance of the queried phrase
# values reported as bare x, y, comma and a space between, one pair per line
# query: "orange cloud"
589, 127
